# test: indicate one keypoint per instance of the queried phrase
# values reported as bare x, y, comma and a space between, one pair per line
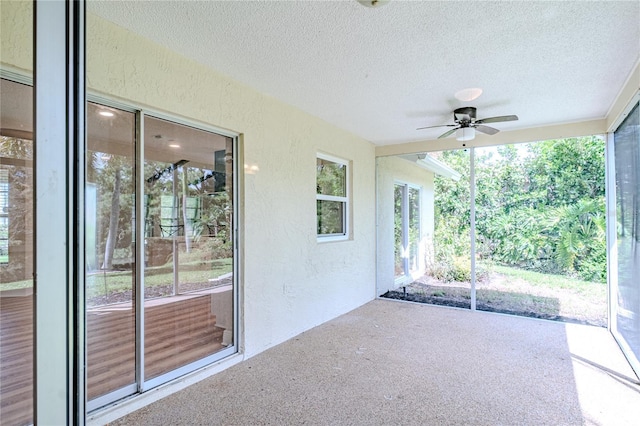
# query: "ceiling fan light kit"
465, 134
466, 124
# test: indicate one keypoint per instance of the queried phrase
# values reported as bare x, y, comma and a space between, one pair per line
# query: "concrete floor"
392, 362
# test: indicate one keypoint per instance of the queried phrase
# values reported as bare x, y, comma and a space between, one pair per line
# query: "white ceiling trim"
559, 131
625, 101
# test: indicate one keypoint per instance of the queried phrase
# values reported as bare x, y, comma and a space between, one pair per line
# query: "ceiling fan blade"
486, 129
449, 133
497, 119
442, 125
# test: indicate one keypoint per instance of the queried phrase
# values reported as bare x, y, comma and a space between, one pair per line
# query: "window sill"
332, 238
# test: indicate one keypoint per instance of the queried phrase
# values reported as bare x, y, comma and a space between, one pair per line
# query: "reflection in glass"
398, 233
413, 195
188, 288
406, 218
331, 178
16, 253
627, 159
110, 249
330, 217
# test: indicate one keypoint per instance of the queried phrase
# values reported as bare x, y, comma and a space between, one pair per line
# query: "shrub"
457, 268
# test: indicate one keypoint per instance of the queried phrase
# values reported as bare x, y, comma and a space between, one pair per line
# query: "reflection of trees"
114, 216
331, 180
113, 175
201, 195
196, 203
17, 157
397, 229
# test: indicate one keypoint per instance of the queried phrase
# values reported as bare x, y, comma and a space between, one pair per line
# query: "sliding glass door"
110, 250
625, 293
407, 231
159, 208
16, 253
188, 276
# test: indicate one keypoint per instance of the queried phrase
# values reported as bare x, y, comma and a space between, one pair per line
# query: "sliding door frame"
141, 385
59, 130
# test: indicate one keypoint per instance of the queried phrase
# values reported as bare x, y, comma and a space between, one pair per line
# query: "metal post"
175, 228
611, 226
140, 249
472, 199
59, 115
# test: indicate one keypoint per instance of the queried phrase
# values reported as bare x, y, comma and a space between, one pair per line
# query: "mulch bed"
462, 302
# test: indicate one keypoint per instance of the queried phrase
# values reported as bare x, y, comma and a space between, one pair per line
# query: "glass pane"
110, 249
188, 287
627, 159
16, 253
398, 235
413, 202
331, 178
330, 217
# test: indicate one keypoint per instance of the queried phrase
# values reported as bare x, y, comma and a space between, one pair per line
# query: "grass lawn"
566, 298
552, 281
100, 283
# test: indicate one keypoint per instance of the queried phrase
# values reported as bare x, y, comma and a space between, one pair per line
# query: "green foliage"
331, 178
580, 239
459, 269
539, 206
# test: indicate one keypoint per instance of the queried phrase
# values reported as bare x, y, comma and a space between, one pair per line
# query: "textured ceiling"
381, 73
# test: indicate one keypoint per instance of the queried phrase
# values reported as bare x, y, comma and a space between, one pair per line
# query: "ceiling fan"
466, 124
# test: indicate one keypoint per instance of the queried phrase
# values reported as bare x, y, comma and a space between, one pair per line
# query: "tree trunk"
114, 218
185, 218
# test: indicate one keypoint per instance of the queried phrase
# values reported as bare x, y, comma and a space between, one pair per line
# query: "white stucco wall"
289, 281
389, 171
16, 36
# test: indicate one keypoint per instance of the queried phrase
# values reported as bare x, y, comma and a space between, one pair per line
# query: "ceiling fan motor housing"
464, 116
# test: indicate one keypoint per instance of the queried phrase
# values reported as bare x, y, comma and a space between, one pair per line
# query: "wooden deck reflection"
179, 330
16, 359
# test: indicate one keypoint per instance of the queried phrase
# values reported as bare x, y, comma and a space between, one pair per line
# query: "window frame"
345, 200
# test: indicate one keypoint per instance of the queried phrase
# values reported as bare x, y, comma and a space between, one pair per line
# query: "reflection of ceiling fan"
466, 124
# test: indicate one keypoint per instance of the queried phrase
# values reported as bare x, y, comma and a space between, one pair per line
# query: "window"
332, 197
406, 230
